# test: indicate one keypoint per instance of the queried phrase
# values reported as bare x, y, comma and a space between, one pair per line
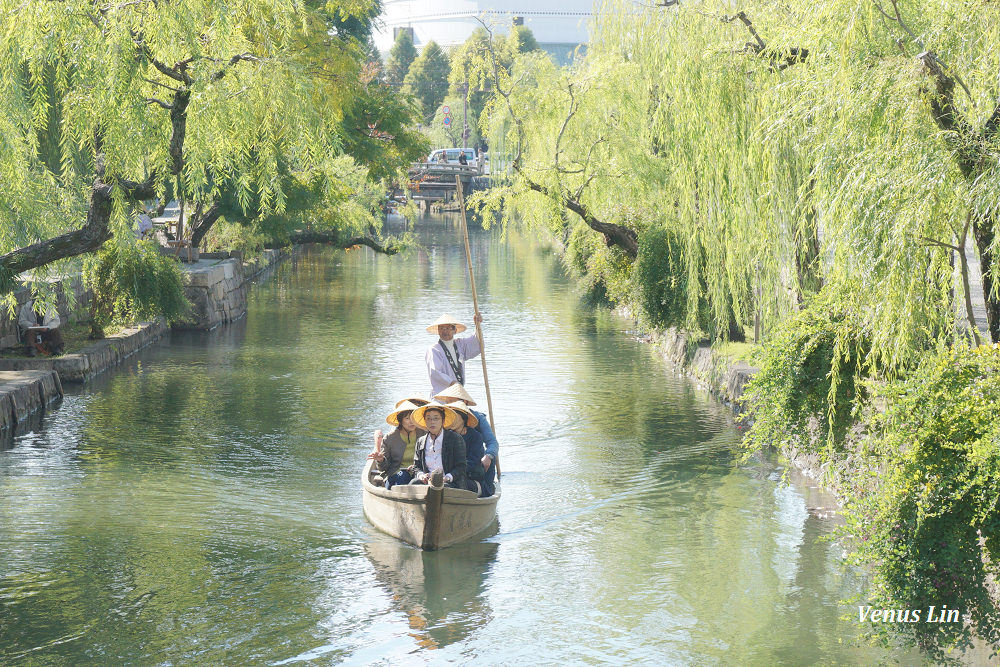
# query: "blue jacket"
474, 455
492, 447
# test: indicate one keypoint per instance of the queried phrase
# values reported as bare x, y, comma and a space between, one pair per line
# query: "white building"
558, 25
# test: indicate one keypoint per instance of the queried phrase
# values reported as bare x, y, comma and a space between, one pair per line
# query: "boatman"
446, 358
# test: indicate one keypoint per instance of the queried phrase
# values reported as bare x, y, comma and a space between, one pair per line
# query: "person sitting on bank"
390, 451
446, 358
462, 159
457, 392
474, 472
439, 451
40, 331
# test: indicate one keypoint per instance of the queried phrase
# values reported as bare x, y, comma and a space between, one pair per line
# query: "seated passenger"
390, 451
439, 451
40, 331
473, 447
457, 392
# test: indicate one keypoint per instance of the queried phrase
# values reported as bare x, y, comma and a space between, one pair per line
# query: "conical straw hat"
402, 406
451, 418
416, 399
459, 406
455, 391
446, 319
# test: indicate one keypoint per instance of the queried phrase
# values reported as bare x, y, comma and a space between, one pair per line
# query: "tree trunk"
88, 238
203, 222
971, 155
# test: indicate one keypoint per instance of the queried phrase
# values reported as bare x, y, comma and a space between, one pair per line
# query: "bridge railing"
443, 169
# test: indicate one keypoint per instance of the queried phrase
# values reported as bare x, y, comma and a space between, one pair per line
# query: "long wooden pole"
475, 306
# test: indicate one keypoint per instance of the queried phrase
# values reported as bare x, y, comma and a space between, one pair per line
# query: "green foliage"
603, 272
245, 238
401, 56
520, 39
661, 281
105, 84
811, 384
930, 497
135, 283
427, 80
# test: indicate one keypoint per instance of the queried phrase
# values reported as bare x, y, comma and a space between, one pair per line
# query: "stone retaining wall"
84, 364
217, 289
25, 392
725, 377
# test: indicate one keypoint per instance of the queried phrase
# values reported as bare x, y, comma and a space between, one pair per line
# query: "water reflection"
441, 593
201, 505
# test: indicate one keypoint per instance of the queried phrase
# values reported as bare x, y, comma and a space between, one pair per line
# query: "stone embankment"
216, 285
726, 377
25, 392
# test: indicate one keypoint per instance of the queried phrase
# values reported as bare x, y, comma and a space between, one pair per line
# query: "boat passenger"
390, 451
457, 392
446, 358
439, 450
40, 330
473, 447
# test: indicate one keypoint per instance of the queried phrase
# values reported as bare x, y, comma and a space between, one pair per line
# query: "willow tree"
745, 158
189, 97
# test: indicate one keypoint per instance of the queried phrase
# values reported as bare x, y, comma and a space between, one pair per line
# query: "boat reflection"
440, 592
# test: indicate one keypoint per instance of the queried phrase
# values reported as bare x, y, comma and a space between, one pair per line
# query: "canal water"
201, 504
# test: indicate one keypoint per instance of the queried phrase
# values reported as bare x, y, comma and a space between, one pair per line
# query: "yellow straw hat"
455, 391
462, 408
451, 418
416, 399
446, 319
402, 406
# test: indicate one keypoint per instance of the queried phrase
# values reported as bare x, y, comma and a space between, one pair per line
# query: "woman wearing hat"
473, 447
439, 449
446, 358
390, 451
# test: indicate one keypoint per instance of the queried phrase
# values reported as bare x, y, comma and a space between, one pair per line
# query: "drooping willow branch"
614, 235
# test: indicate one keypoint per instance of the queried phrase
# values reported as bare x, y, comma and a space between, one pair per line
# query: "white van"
452, 155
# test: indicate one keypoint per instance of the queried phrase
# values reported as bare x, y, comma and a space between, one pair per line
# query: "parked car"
452, 155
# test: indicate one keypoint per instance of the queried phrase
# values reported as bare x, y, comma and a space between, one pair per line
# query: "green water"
201, 504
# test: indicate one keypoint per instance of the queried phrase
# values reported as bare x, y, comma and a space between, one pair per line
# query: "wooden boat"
425, 516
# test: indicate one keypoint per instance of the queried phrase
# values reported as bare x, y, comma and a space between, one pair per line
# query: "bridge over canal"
436, 182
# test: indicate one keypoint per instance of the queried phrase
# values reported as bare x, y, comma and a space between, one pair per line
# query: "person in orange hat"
456, 393
391, 451
446, 358
439, 451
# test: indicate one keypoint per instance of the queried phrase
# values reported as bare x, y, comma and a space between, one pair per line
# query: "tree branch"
95, 231
388, 247
949, 118
240, 57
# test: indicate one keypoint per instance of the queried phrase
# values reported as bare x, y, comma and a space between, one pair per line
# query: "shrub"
810, 387
925, 515
133, 282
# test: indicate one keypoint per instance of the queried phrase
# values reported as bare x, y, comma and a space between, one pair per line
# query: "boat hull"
426, 517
